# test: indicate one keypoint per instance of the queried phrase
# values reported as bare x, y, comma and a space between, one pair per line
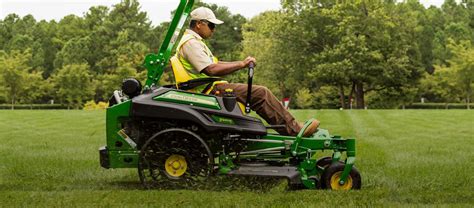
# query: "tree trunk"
282, 89
283, 93
359, 90
341, 96
468, 99
13, 101
351, 94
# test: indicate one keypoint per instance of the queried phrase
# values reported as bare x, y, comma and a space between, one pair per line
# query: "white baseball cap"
203, 13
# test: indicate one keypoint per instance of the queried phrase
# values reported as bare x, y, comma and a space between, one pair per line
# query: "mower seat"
185, 82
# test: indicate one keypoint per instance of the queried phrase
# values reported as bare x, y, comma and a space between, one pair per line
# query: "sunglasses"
209, 24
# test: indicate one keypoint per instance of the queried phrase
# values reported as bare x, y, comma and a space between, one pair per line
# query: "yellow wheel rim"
336, 177
176, 165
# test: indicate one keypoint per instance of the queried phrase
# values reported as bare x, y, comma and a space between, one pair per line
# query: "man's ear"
198, 24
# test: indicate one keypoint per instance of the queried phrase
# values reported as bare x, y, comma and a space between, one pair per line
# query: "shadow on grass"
127, 185
247, 183
216, 184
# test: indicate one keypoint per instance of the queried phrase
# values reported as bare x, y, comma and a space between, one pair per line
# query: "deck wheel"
332, 175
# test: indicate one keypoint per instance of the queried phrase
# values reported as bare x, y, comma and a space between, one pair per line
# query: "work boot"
312, 128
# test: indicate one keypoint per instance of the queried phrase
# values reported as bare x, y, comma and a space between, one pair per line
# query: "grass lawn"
406, 158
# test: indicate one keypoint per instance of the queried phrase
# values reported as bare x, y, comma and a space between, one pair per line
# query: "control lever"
249, 88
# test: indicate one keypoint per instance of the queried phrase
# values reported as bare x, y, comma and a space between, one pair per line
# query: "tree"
260, 41
37, 90
304, 98
73, 84
70, 27
129, 57
461, 69
373, 51
13, 69
439, 87
95, 19
44, 51
124, 17
76, 51
370, 51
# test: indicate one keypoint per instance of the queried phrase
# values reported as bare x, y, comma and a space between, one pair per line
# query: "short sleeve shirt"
194, 51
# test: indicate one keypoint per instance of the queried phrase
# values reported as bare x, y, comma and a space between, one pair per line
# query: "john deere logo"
189, 99
223, 120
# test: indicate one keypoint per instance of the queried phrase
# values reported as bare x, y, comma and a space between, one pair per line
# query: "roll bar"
155, 63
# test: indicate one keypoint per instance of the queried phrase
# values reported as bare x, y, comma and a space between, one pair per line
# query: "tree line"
321, 54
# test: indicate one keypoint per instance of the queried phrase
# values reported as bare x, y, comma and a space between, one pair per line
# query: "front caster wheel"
332, 175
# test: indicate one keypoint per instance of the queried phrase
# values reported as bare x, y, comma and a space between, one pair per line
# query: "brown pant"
266, 105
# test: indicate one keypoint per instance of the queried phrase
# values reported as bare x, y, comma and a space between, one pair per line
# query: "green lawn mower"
177, 137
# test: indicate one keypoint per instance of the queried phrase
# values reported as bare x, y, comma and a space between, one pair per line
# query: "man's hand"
246, 61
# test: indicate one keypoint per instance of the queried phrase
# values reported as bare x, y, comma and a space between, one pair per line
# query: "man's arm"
225, 68
221, 69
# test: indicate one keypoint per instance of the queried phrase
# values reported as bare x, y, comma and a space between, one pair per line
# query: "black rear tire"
156, 160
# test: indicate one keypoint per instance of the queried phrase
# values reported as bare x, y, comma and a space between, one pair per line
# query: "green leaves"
335, 44
75, 51
74, 84
320, 53
461, 70
304, 98
18, 81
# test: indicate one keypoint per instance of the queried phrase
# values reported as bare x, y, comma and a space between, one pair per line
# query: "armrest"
191, 84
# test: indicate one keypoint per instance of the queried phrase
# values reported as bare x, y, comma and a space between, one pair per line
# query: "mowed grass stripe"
52, 139
406, 157
417, 161
371, 157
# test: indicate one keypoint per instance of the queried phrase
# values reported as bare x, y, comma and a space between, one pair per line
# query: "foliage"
92, 105
453, 83
304, 98
327, 97
12, 74
461, 68
20, 83
259, 41
74, 84
359, 46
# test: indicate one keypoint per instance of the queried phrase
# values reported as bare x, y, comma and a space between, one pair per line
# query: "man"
199, 62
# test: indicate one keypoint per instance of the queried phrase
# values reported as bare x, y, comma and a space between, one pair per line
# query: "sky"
158, 10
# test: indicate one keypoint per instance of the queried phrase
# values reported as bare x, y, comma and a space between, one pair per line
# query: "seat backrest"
180, 74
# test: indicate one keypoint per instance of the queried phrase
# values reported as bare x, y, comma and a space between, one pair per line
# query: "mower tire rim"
336, 177
176, 165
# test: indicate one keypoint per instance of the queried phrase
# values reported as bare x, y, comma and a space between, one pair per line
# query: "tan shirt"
194, 51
